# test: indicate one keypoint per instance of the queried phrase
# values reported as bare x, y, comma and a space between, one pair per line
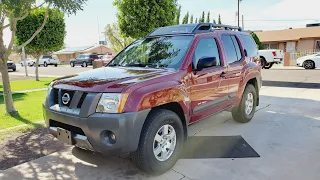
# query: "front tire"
309, 64
84, 64
56, 65
263, 62
45, 64
244, 112
268, 65
161, 142
72, 64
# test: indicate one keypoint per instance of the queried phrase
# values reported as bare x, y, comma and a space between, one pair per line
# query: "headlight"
111, 103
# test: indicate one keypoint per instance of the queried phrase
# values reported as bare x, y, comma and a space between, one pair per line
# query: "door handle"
223, 74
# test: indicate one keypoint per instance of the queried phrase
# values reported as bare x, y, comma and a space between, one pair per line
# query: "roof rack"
191, 29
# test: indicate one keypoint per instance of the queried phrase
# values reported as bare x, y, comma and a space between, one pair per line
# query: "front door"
209, 89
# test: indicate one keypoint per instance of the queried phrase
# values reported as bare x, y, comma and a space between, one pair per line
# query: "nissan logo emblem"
65, 98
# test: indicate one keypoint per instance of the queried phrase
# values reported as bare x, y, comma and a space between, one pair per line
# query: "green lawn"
29, 106
28, 84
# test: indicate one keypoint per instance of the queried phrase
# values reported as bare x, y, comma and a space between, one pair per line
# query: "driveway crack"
180, 174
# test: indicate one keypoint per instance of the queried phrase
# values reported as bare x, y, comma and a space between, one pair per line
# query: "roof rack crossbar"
191, 29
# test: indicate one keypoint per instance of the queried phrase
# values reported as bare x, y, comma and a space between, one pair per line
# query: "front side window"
154, 52
207, 47
229, 48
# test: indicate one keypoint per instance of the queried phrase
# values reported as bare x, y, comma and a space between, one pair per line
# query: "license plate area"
64, 136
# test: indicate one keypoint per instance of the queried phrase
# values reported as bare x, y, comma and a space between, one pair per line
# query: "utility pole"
239, 13
242, 23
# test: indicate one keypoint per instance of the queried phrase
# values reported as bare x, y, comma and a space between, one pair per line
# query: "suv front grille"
76, 96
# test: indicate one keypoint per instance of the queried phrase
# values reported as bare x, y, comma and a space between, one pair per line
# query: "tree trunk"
7, 95
37, 67
23, 59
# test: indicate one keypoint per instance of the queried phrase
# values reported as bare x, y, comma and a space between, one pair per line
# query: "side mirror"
206, 62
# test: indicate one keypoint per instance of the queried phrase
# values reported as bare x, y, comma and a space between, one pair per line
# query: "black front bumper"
92, 132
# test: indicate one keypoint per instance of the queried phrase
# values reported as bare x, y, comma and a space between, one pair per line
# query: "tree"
117, 40
177, 18
208, 17
257, 40
191, 19
13, 11
214, 21
203, 17
185, 19
50, 39
219, 19
139, 17
196, 20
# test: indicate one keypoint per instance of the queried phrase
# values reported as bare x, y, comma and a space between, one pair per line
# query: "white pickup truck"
269, 57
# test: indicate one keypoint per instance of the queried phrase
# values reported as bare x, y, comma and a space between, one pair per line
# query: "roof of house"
289, 34
70, 50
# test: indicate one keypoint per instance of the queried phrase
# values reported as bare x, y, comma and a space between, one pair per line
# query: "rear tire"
72, 64
240, 113
146, 157
84, 64
309, 64
56, 65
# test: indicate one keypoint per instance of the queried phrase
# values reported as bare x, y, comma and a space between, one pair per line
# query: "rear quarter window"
250, 45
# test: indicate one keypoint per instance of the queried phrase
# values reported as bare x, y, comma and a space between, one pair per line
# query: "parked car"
84, 60
269, 57
11, 65
309, 62
143, 101
46, 60
28, 61
106, 59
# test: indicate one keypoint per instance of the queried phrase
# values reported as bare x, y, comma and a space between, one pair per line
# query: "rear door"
234, 58
209, 89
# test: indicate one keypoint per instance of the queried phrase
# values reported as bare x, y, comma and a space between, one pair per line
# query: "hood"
306, 57
108, 79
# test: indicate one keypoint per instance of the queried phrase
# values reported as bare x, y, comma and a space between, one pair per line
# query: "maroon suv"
144, 100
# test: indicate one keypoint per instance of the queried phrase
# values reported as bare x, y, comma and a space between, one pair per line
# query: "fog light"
112, 137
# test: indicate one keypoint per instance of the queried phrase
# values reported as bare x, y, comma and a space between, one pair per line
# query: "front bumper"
92, 132
299, 64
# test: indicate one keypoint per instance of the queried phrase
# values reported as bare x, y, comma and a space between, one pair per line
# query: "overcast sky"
87, 26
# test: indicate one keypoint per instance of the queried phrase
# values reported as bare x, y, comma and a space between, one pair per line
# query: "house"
66, 54
300, 40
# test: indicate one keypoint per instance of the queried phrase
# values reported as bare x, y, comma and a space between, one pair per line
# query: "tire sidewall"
173, 120
249, 89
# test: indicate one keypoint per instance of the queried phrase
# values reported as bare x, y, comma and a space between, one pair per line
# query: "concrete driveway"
285, 132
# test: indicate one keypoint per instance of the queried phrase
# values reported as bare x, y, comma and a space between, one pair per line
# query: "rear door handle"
223, 74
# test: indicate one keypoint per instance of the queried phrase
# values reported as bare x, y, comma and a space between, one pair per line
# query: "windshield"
154, 52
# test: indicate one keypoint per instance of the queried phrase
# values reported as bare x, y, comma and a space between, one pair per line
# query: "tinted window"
80, 57
206, 48
249, 45
237, 47
229, 49
47, 57
94, 56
